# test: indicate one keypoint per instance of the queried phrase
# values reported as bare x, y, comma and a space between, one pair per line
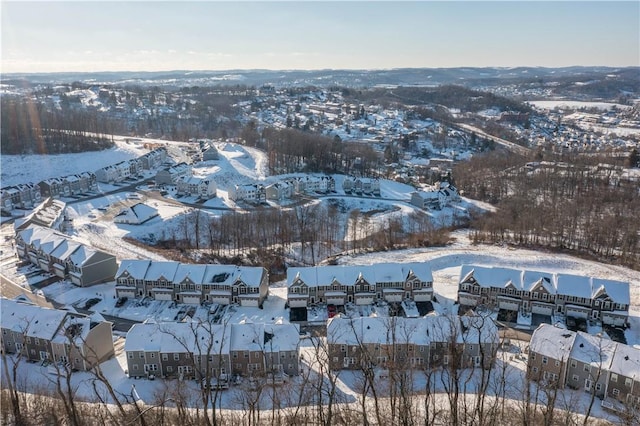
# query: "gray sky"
142, 35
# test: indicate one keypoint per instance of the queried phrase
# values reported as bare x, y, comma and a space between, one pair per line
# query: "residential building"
170, 175
194, 186
58, 254
153, 159
264, 349
545, 293
186, 283
210, 153
408, 343
362, 285
279, 191
200, 349
22, 196
50, 335
611, 370
254, 193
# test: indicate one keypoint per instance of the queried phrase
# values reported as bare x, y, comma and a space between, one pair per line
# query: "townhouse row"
607, 369
436, 198
123, 170
362, 285
41, 334
411, 343
192, 284
282, 190
545, 293
198, 350
58, 254
28, 195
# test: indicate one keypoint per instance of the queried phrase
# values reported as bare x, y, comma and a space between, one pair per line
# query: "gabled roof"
349, 275
626, 362
553, 342
618, 291
195, 273
594, 350
534, 279
65, 250
137, 269
31, 320
82, 255
492, 276
157, 270
573, 285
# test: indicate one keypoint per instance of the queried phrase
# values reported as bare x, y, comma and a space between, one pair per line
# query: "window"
36, 341
446, 360
627, 382
165, 357
545, 360
535, 369
176, 357
614, 377
574, 364
141, 354
169, 368
575, 378
557, 363
587, 368
336, 359
135, 366
130, 355
616, 392
153, 354
533, 356
598, 387
343, 348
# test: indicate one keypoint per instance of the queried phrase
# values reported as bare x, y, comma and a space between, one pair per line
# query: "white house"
251, 192
203, 187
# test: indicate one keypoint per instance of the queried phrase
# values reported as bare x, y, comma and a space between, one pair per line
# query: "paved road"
119, 324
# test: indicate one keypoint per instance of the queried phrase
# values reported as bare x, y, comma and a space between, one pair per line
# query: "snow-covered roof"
626, 361
555, 283
170, 337
247, 337
157, 270
618, 291
349, 275
135, 268
551, 341
281, 337
33, 321
65, 249
137, 213
594, 350
532, 279
573, 285
82, 255
194, 273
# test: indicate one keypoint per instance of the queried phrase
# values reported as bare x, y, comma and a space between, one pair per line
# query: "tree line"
584, 205
29, 127
304, 234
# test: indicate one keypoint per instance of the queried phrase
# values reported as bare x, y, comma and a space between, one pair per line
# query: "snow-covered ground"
576, 104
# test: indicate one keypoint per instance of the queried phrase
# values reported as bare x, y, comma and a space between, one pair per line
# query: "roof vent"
626, 357
582, 345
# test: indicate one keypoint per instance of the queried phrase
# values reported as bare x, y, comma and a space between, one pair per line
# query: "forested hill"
33, 128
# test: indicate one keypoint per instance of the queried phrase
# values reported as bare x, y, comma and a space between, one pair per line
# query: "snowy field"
576, 104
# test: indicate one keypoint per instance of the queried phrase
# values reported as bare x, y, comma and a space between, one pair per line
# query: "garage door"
163, 296
509, 306
194, 300
364, 300
221, 300
541, 309
570, 312
249, 302
126, 293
